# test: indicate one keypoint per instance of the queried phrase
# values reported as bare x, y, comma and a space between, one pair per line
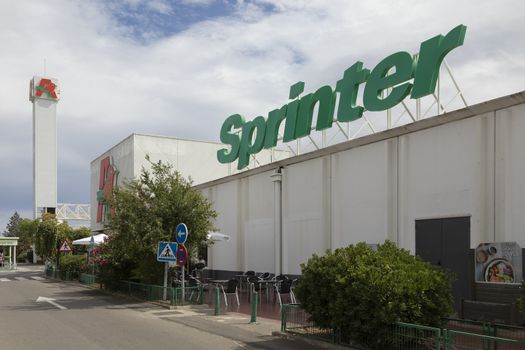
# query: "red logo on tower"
44, 88
107, 182
47, 87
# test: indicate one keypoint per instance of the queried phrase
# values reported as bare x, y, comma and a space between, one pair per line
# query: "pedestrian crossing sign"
166, 251
65, 247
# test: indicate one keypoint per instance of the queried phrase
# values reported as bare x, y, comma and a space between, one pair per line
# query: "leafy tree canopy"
46, 232
146, 211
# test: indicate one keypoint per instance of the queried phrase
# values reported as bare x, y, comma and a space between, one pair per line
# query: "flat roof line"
151, 135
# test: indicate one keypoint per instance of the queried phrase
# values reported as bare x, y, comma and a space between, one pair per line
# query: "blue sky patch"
150, 20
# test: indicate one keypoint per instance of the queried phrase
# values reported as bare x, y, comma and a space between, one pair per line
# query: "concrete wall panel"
447, 171
260, 254
223, 255
510, 175
306, 226
363, 194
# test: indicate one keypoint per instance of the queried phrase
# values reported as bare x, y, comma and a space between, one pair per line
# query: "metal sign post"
166, 253
183, 294
165, 290
181, 235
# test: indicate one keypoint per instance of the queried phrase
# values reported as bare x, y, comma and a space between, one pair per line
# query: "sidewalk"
264, 334
237, 326
25, 267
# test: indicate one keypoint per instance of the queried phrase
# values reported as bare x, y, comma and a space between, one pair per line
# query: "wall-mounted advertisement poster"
499, 262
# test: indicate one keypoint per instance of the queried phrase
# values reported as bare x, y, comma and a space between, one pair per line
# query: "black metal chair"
265, 276
280, 278
231, 289
244, 278
285, 287
255, 286
271, 277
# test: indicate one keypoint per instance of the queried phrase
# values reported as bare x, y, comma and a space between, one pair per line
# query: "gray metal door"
446, 243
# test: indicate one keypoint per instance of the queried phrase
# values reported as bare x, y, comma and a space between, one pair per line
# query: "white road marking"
242, 345
50, 301
5, 280
20, 278
38, 278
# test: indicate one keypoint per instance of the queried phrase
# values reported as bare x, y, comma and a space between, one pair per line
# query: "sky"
179, 68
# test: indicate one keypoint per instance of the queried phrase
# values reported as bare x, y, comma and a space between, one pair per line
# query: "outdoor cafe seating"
285, 288
278, 290
231, 289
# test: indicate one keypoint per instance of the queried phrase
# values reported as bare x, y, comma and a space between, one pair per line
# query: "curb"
310, 341
165, 305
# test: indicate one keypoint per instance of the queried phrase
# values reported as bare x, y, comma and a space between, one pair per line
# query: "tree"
28, 230
146, 211
13, 227
46, 236
361, 292
47, 232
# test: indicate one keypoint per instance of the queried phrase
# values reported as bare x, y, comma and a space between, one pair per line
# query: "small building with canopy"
8, 252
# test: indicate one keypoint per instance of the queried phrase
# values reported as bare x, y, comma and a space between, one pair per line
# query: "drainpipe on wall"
277, 219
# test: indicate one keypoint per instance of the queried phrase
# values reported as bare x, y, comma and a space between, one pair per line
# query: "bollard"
201, 295
283, 318
255, 296
216, 301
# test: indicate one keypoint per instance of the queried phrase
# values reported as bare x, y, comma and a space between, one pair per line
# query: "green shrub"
25, 256
72, 263
360, 292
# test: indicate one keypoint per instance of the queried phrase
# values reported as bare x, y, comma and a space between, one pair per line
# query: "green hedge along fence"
481, 336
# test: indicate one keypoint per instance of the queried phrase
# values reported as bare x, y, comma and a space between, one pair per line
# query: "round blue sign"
181, 233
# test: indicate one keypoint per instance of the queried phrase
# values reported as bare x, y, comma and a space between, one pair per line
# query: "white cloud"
160, 6
186, 84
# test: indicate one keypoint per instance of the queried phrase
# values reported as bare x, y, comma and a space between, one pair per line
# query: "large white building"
124, 161
438, 187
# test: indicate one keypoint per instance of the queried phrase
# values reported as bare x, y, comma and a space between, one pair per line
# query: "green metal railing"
192, 295
150, 292
476, 335
457, 340
410, 336
295, 320
486, 328
68, 275
87, 278
51, 272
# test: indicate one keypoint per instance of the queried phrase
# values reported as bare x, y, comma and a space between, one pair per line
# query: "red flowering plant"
99, 257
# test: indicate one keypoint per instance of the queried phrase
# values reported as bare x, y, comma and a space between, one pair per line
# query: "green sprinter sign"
395, 72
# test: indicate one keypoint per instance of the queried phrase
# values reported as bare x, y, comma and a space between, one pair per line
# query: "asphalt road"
82, 318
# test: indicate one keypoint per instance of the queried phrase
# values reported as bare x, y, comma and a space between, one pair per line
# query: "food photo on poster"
499, 262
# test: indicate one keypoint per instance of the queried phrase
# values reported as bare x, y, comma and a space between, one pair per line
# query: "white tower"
44, 93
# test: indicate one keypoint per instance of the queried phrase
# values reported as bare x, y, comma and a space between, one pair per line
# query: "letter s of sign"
234, 121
